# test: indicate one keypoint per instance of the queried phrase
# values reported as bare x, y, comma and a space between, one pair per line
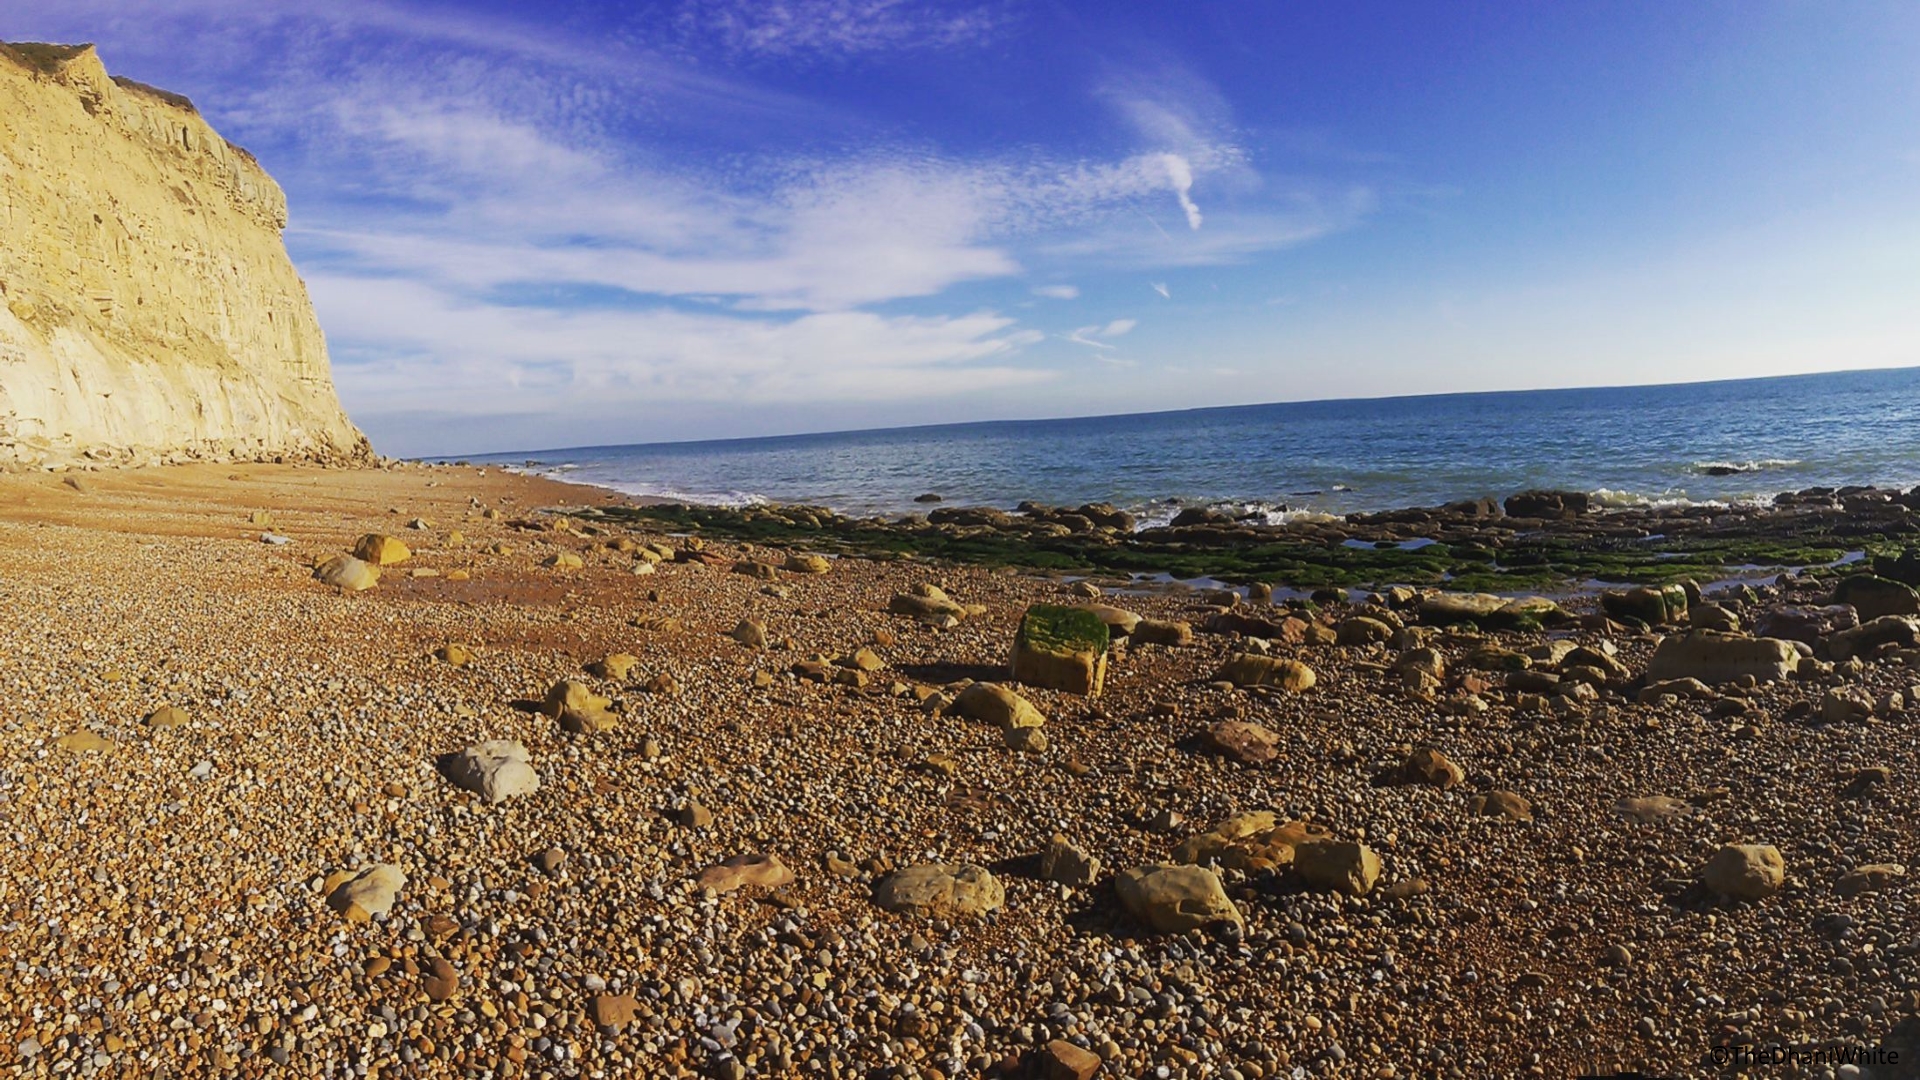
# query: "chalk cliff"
148, 310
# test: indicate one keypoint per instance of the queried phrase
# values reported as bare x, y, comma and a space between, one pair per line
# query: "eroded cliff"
148, 309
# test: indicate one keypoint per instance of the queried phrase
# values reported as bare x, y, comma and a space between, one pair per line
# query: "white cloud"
1161, 288
836, 27
1057, 292
1088, 335
1180, 174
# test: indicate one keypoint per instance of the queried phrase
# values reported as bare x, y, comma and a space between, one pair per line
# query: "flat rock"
1715, 658
1242, 741
741, 871
995, 704
940, 889
1064, 864
1250, 669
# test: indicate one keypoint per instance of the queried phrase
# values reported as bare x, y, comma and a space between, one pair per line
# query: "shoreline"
1532, 541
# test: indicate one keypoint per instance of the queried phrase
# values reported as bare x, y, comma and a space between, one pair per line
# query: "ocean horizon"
1720, 442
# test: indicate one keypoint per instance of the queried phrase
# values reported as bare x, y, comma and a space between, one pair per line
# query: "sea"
1702, 443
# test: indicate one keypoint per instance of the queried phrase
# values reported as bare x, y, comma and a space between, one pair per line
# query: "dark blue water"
1628, 444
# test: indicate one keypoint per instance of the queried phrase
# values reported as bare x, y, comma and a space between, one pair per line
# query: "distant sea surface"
1704, 442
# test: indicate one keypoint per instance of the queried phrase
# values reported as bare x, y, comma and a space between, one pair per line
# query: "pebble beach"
766, 833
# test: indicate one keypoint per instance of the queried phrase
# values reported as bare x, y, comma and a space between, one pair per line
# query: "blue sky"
560, 224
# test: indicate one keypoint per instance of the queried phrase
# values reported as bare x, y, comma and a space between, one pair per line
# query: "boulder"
1870, 635
1064, 864
1646, 604
1248, 842
1363, 630
497, 770
563, 560
806, 564
1550, 505
1846, 705
362, 894
750, 633
1161, 632
1745, 871
1806, 625
1343, 866
381, 550
1250, 669
1061, 648
578, 708
1873, 596
758, 570
941, 890
997, 705
740, 871
1173, 899
348, 573
1715, 658
1432, 768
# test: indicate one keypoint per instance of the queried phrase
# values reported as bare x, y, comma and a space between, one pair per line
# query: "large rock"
1250, 669
1242, 741
1489, 611
1548, 504
940, 889
806, 564
150, 311
1714, 658
362, 894
1870, 635
1173, 899
381, 550
1874, 596
1338, 865
1249, 842
997, 705
923, 607
1061, 648
1064, 864
497, 770
1745, 871
1655, 606
348, 573
578, 708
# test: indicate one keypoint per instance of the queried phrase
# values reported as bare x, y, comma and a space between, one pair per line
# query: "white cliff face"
148, 310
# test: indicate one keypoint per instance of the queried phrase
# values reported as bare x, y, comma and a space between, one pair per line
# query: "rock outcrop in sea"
148, 309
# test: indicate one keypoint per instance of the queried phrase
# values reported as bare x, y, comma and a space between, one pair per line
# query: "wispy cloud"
837, 28
1161, 288
1091, 335
1057, 292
